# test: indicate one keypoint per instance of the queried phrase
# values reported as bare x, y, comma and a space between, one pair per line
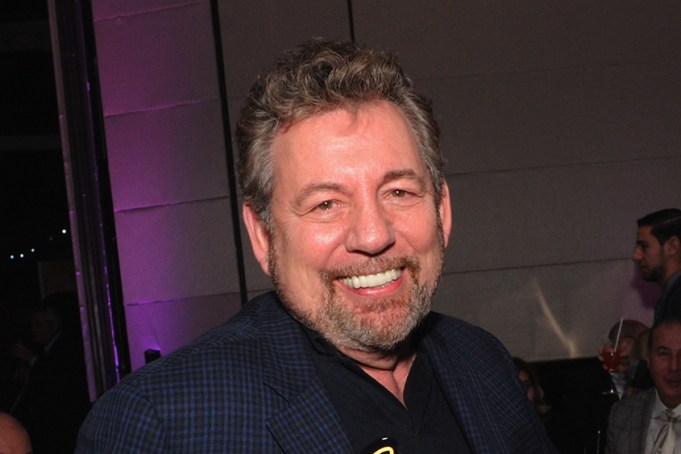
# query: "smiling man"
373, 243
347, 210
650, 421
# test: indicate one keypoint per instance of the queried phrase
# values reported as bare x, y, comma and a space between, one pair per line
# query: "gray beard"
346, 327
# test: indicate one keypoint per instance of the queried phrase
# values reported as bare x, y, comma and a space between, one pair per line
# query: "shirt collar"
319, 343
659, 407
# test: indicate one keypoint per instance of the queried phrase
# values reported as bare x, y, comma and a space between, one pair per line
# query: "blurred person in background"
54, 399
13, 437
560, 429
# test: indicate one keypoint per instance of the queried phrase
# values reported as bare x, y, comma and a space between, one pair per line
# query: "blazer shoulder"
675, 290
462, 336
217, 381
671, 303
628, 422
234, 346
635, 404
448, 324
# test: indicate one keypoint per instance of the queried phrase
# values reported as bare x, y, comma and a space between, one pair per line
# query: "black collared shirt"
375, 419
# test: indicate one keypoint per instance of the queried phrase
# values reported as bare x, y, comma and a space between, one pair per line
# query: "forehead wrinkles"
386, 128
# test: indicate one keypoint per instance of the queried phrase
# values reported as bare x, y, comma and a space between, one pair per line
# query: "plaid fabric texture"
628, 423
249, 386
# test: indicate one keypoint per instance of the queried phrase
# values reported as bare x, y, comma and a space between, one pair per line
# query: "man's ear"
260, 239
672, 247
445, 212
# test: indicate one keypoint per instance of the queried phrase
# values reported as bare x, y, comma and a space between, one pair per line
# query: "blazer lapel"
306, 421
467, 399
310, 424
640, 428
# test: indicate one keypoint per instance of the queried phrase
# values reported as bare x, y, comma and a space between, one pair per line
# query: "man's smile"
372, 280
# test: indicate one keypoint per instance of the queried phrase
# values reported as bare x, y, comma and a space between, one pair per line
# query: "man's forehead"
345, 129
644, 233
668, 335
644, 230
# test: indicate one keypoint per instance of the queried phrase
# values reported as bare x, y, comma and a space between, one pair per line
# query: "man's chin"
652, 274
382, 330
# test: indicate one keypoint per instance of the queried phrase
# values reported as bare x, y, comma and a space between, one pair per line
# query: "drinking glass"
612, 359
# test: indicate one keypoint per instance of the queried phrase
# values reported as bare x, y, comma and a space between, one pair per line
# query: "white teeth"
372, 280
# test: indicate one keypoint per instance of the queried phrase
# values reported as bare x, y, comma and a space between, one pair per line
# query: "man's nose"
371, 230
637, 255
675, 362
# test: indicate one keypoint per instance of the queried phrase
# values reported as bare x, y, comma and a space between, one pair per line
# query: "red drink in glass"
611, 359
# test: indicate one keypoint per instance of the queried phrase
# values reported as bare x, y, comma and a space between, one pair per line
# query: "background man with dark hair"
658, 255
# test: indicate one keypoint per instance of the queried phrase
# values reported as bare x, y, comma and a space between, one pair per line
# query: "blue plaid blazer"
250, 386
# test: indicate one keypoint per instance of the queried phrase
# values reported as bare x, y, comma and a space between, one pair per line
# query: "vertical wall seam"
227, 137
351, 21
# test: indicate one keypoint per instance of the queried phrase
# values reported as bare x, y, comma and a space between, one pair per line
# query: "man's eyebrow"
325, 186
314, 188
404, 173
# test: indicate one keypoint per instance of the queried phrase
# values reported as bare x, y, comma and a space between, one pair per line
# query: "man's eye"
399, 193
325, 205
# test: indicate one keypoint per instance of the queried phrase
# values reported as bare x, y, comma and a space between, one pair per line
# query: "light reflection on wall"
565, 340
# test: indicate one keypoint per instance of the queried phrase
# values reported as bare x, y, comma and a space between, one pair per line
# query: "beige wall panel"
168, 325
255, 32
549, 312
556, 215
166, 156
165, 143
157, 59
470, 37
177, 251
566, 117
